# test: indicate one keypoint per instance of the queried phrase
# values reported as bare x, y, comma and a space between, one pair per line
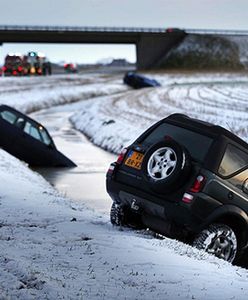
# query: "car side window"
8, 116
46, 139
32, 130
19, 122
233, 160
38, 132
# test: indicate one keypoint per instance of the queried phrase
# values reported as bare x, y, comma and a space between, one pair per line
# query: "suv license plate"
134, 159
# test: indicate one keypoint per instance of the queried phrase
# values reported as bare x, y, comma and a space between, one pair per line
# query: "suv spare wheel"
166, 165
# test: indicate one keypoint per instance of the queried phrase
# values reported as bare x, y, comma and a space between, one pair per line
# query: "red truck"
13, 65
33, 63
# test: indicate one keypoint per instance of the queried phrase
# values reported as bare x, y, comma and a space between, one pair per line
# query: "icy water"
86, 182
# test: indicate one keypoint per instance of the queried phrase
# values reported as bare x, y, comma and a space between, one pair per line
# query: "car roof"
205, 127
4, 106
9, 108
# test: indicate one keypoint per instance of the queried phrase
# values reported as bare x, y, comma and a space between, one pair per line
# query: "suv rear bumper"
157, 213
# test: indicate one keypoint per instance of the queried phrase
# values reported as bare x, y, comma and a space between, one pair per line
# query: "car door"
37, 146
40, 149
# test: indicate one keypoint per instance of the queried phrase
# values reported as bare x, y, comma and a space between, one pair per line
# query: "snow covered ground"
54, 248
115, 121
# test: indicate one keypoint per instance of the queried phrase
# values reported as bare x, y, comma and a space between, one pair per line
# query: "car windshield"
197, 144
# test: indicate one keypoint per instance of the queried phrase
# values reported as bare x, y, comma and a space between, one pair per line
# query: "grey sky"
228, 14
208, 14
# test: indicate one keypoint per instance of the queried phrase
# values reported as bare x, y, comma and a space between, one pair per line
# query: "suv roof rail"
177, 115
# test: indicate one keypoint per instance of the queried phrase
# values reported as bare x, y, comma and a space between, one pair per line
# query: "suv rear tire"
116, 214
122, 216
219, 240
166, 166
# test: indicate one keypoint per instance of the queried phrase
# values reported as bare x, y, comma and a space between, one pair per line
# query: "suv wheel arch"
220, 240
233, 217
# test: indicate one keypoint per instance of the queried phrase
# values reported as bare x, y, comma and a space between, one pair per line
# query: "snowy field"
54, 248
113, 122
32, 94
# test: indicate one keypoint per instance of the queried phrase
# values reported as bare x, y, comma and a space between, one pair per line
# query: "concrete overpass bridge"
152, 44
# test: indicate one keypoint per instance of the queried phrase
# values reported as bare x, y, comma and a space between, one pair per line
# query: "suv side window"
8, 116
233, 160
245, 186
240, 180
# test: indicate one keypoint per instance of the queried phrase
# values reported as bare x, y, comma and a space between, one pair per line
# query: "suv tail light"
111, 169
121, 156
120, 159
187, 198
198, 184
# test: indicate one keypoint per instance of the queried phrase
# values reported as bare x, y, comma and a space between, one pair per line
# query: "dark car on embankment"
28, 140
138, 81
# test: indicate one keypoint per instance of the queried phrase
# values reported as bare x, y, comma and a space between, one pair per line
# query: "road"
85, 183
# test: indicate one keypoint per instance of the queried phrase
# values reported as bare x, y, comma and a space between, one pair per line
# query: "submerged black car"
28, 140
186, 179
138, 81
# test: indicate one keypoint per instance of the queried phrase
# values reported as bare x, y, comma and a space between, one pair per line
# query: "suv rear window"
197, 144
233, 160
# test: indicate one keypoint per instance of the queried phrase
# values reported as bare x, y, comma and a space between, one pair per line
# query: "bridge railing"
79, 28
117, 29
216, 31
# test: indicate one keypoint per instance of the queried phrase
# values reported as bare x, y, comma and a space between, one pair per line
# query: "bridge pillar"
151, 49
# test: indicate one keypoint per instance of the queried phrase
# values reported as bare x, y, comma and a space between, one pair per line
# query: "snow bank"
209, 52
52, 248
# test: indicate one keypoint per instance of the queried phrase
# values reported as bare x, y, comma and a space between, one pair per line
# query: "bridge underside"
151, 47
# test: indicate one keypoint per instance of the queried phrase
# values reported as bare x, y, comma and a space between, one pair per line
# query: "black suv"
186, 179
